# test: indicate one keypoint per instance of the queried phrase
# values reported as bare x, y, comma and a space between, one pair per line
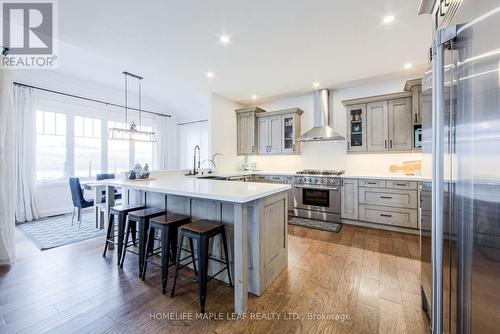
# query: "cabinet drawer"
372, 183
388, 197
276, 178
260, 178
388, 216
409, 185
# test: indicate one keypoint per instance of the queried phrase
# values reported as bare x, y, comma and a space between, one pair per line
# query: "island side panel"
273, 217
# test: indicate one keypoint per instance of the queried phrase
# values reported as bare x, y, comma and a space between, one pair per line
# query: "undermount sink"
208, 177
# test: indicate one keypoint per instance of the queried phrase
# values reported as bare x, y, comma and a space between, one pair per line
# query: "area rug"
57, 231
317, 224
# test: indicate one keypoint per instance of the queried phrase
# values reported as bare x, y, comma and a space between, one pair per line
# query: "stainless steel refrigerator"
460, 193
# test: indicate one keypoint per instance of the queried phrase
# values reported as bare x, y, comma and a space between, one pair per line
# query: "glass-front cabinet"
356, 127
289, 130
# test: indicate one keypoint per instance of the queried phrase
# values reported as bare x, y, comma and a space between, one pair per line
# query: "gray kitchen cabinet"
263, 134
400, 126
246, 130
349, 199
356, 128
291, 128
384, 123
289, 180
377, 126
275, 134
269, 134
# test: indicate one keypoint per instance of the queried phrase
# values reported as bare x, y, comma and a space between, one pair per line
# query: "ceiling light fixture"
224, 39
254, 97
133, 132
210, 75
316, 84
408, 66
388, 19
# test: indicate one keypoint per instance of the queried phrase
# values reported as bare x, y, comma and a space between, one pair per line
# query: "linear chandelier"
132, 132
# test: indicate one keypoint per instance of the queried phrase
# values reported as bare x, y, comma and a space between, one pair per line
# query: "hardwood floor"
365, 280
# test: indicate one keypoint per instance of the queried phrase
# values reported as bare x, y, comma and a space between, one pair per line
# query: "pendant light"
132, 132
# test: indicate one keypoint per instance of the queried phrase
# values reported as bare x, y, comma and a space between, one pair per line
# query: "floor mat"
317, 224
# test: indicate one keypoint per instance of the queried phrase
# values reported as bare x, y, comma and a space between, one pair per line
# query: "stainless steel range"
317, 194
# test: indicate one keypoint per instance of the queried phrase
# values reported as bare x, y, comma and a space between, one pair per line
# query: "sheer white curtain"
190, 135
162, 142
25, 154
7, 212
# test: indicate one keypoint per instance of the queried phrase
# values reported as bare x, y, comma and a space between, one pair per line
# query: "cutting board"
408, 167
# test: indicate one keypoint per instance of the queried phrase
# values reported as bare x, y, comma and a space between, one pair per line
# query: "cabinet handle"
371, 182
334, 189
402, 184
384, 215
385, 143
348, 145
253, 148
390, 143
293, 147
386, 197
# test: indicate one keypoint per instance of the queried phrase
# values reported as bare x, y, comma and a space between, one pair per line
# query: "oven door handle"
317, 187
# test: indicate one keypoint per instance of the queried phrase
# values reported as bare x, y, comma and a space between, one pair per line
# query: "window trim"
105, 115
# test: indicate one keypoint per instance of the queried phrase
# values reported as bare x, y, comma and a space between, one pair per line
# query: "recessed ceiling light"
388, 19
224, 39
316, 84
254, 97
408, 66
210, 75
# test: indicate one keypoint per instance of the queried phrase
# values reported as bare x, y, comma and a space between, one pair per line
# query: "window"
144, 150
87, 146
50, 146
190, 135
118, 151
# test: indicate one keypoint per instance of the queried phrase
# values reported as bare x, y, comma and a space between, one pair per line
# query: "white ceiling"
279, 47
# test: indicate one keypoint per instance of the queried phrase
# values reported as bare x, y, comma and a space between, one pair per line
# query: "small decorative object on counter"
137, 168
131, 175
144, 173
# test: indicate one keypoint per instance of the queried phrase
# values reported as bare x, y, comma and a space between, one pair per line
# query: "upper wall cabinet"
385, 122
246, 130
377, 128
265, 133
356, 128
400, 128
278, 131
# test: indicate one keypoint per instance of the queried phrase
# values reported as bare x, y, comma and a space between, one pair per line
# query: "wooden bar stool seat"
140, 218
121, 211
168, 225
202, 231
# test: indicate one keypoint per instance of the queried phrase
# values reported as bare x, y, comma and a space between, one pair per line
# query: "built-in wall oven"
317, 197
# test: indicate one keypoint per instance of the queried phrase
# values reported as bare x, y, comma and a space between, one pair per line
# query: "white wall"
331, 154
222, 123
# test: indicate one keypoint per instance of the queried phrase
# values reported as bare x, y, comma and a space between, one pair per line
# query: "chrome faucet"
194, 159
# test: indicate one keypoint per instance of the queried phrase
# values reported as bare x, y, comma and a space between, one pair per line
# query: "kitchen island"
254, 214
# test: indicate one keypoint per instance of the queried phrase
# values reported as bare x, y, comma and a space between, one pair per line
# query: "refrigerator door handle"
438, 123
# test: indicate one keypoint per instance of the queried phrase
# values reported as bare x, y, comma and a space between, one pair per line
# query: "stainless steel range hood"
322, 129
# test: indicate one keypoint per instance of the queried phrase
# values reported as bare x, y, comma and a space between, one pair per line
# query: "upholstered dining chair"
79, 201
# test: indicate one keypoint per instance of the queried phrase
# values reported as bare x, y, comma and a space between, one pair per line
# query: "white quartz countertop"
228, 191
401, 177
348, 175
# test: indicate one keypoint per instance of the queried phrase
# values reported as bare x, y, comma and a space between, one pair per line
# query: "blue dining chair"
79, 201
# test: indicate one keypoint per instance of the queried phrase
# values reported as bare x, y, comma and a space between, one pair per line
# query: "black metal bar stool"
141, 219
122, 212
202, 231
167, 225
